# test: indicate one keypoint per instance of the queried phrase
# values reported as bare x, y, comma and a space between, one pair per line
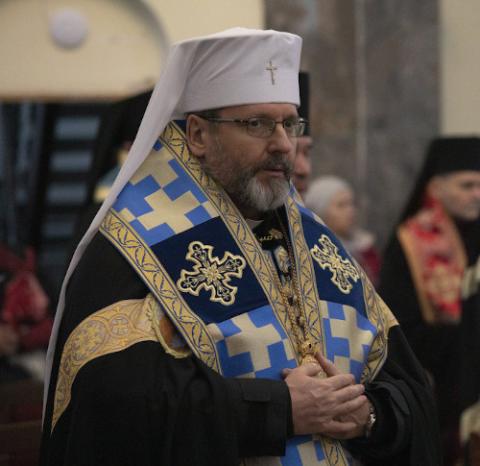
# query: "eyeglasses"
261, 127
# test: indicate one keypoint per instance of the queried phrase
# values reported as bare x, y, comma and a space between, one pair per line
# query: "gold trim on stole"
173, 139
407, 242
137, 253
377, 311
380, 315
309, 296
144, 261
310, 304
403, 236
110, 330
257, 260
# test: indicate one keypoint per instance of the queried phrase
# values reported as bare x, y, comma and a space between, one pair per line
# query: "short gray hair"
321, 192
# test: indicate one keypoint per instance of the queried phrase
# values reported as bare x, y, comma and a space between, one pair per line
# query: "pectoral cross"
272, 70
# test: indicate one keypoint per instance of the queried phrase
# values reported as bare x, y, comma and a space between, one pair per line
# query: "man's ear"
198, 135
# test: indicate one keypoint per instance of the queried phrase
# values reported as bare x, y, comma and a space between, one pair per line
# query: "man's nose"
279, 140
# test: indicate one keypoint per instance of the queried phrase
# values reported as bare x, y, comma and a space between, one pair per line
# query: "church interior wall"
375, 97
460, 67
108, 49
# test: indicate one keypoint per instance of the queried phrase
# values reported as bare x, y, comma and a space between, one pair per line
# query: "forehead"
464, 176
342, 195
272, 110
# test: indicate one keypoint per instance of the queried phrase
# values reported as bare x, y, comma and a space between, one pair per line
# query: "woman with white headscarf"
332, 198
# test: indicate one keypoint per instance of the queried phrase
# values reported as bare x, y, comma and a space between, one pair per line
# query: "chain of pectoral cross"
290, 293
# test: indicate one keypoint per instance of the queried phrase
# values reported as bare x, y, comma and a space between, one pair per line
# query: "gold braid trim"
380, 315
122, 235
110, 330
306, 276
311, 307
175, 142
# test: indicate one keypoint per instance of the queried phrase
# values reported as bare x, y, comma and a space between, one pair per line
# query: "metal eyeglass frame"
299, 124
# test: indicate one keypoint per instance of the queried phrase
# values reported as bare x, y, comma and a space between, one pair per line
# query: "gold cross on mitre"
272, 70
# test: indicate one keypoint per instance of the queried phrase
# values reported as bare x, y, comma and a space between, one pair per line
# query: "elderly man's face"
254, 171
459, 193
303, 164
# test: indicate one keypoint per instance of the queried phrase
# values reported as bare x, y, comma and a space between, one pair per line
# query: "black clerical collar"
269, 232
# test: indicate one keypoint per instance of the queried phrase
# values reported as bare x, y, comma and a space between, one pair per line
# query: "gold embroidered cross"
272, 70
342, 269
211, 274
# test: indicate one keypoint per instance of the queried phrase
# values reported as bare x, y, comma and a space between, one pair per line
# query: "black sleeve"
143, 406
470, 352
396, 286
406, 431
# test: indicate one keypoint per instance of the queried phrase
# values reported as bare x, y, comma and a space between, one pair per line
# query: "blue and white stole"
188, 242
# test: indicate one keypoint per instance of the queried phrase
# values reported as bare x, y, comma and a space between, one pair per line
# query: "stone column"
374, 93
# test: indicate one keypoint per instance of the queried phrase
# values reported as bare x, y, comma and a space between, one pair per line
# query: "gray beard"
245, 190
261, 197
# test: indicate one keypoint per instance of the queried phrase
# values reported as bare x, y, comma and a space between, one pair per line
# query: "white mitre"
240, 66
234, 67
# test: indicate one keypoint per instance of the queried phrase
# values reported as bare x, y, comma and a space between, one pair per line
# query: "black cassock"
470, 351
141, 406
439, 348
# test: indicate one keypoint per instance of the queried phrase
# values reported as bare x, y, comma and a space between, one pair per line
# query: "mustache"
279, 163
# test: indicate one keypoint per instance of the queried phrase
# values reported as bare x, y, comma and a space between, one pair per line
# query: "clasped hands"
334, 405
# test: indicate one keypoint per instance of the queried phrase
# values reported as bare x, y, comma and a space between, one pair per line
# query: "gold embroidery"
165, 331
272, 234
211, 274
307, 282
107, 331
342, 269
443, 283
174, 141
380, 315
142, 259
313, 309
290, 293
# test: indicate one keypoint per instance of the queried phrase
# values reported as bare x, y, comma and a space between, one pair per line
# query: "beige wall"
190, 18
122, 54
460, 66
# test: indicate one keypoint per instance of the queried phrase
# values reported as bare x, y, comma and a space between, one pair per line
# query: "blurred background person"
437, 237
332, 199
302, 169
25, 319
